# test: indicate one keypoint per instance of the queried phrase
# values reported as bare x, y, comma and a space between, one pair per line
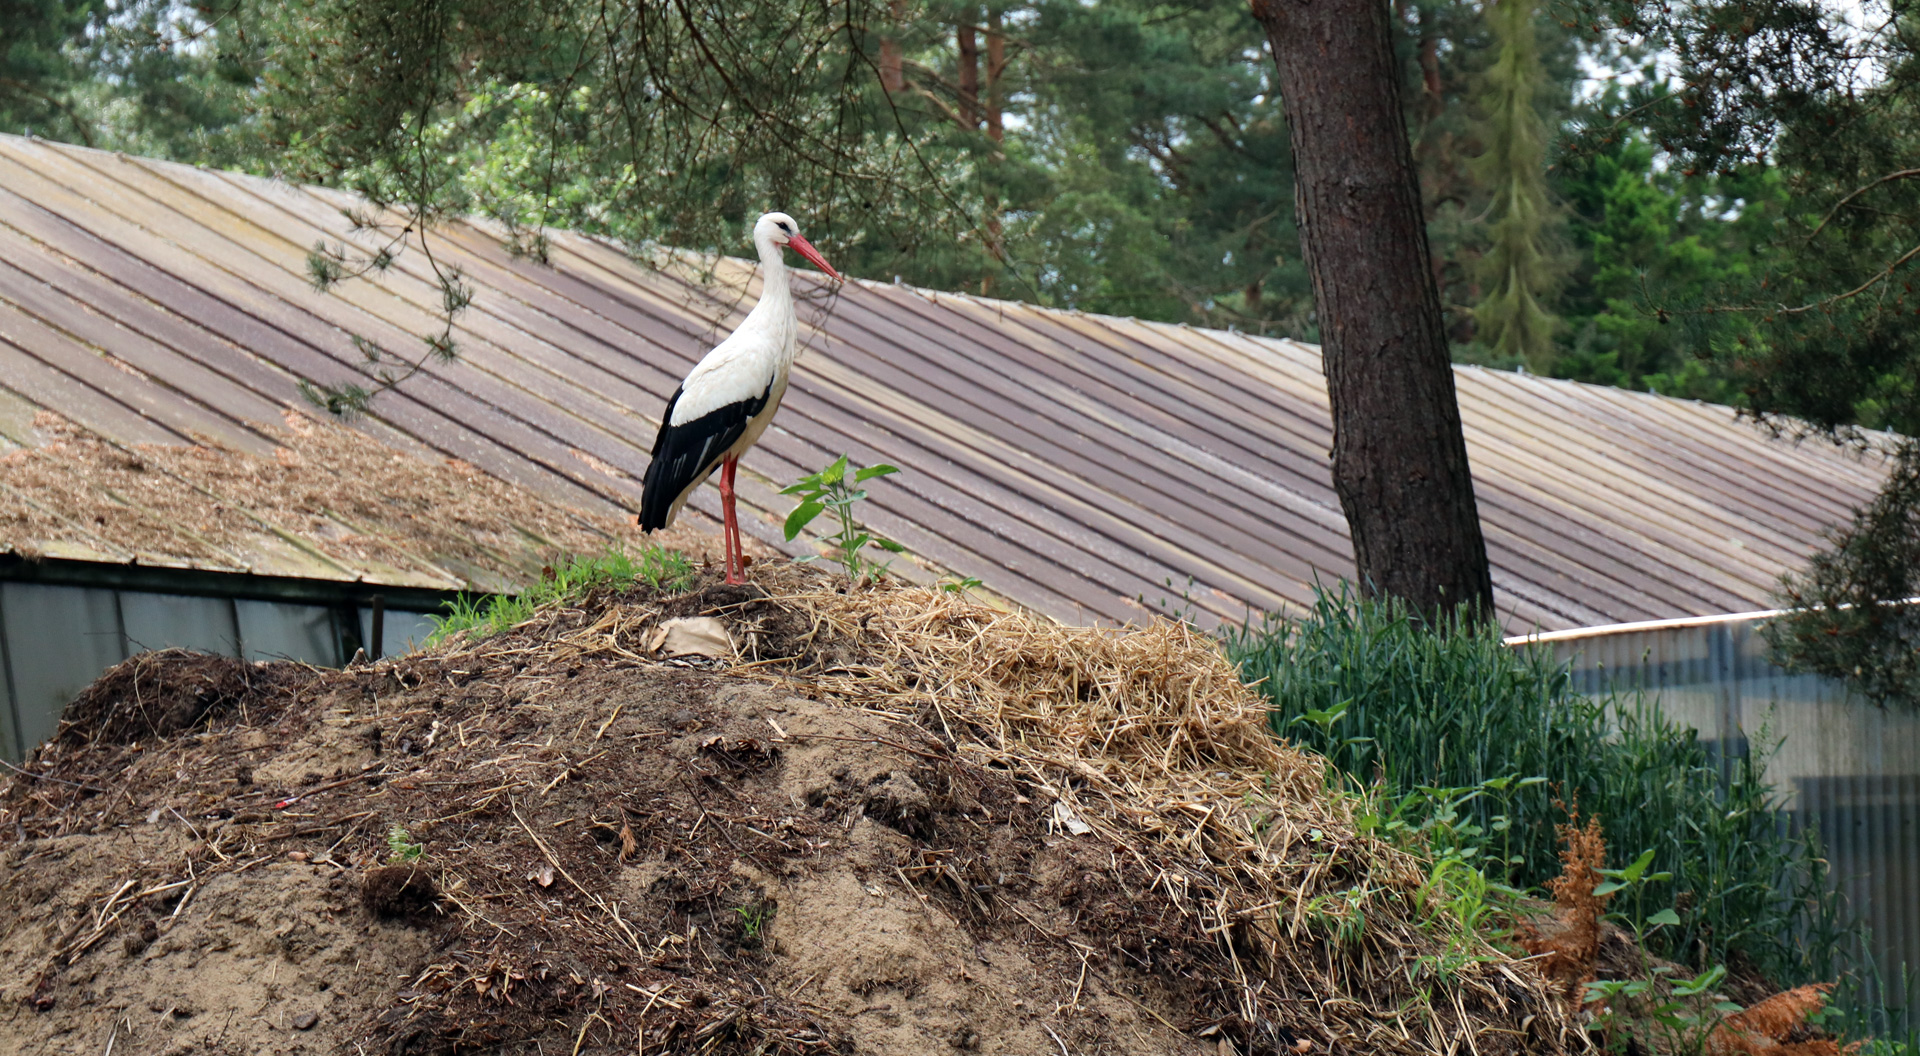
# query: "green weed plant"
836, 489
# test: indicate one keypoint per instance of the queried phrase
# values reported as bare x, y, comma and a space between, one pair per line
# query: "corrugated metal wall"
56, 638
1842, 764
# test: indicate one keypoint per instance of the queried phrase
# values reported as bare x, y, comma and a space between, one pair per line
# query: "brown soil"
550, 843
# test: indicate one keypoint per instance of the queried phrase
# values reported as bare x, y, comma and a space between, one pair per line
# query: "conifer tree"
1518, 271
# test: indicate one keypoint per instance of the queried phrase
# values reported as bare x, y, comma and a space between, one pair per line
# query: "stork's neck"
776, 291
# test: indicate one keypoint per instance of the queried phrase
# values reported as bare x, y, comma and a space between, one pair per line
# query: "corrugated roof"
1074, 463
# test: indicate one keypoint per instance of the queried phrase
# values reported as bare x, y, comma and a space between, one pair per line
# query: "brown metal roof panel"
1190, 418
288, 342
322, 324
952, 472
211, 404
974, 514
1606, 566
155, 322
1816, 457
59, 372
1070, 347
1716, 443
1719, 470
1547, 497
1125, 472
1583, 577
1035, 481
1032, 475
1719, 449
636, 326
1089, 542
638, 301
1153, 437
1494, 482
1212, 445
1026, 399
517, 319
1664, 501
44, 388
1164, 361
407, 307
1617, 566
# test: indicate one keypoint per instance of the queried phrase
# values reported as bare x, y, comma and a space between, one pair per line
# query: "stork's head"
781, 230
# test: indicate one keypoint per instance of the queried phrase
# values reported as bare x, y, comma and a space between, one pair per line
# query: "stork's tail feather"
657, 505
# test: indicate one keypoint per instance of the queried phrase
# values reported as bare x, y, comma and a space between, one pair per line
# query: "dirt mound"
161, 694
896, 823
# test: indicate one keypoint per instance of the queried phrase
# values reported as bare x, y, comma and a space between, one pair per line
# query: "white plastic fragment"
1064, 818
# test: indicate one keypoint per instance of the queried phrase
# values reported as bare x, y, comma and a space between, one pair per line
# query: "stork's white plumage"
731, 395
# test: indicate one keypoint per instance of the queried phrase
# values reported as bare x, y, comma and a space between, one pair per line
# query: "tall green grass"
482, 615
1400, 707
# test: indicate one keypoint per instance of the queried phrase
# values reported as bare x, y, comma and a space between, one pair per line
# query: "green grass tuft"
482, 615
1446, 726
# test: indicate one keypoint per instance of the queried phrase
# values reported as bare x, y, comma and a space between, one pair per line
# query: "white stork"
728, 400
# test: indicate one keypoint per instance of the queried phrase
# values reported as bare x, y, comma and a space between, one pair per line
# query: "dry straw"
1147, 738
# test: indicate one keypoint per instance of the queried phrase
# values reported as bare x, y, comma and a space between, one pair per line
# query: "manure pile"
894, 823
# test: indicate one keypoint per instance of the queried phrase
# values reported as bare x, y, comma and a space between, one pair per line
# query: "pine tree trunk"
969, 47
1399, 459
996, 66
892, 69
996, 131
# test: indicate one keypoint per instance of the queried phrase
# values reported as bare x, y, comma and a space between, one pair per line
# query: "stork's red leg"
732, 522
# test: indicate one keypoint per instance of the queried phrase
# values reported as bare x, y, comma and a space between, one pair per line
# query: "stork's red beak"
805, 249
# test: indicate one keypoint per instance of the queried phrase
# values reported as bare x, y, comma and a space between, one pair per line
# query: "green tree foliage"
1649, 239
40, 65
1164, 183
147, 76
1815, 122
1816, 119
1519, 269
1853, 618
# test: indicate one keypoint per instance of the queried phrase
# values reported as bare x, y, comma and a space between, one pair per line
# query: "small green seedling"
836, 489
401, 848
753, 922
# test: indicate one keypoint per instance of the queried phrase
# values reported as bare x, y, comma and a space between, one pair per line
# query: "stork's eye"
782, 225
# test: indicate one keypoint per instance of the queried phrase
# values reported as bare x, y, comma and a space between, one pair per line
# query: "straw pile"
1147, 737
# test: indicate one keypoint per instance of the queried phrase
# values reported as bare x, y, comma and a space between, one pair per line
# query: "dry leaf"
1572, 953
1766, 1023
693, 636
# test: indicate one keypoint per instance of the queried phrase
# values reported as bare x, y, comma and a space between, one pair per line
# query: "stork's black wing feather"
684, 454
